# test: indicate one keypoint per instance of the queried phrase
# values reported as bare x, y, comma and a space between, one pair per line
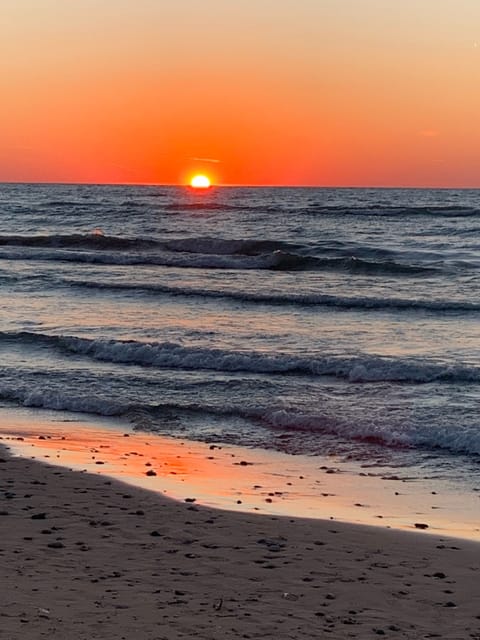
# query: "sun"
200, 182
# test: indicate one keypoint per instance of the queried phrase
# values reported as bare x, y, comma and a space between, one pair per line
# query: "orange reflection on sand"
165, 465
124, 454
234, 478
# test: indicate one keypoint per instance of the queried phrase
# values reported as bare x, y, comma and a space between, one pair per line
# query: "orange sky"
317, 92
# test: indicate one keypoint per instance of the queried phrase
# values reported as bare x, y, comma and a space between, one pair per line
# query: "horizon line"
234, 186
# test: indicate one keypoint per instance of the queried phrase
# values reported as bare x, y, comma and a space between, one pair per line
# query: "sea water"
340, 322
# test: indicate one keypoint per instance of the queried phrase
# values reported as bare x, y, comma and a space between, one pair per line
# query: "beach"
239, 320
248, 413
88, 557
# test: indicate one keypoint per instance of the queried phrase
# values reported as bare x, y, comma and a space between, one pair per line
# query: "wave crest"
201, 252
301, 299
167, 355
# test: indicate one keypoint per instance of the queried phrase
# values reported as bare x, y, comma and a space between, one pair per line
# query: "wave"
204, 253
168, 355
62, 401
447, 211
72, 204
95, 240
222, 246
451, 438
162, 417
206, 206
98, 241
349, 264
215, 248
187, 261
297, 299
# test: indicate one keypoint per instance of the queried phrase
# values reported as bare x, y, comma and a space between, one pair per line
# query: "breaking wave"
168, 355
155, 417
204, 253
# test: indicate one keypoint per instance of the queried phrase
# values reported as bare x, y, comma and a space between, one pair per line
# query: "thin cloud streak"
206, 160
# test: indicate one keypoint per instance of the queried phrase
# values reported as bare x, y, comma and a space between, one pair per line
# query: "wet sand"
248, 480
87, 557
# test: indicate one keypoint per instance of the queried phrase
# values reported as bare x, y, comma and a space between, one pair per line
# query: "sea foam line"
465, 440
168, 355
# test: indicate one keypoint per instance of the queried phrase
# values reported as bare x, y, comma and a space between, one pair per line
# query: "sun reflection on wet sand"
234, 478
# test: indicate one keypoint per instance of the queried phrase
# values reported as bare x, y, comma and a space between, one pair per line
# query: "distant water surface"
322, 321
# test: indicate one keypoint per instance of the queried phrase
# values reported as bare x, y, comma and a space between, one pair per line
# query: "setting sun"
200, 182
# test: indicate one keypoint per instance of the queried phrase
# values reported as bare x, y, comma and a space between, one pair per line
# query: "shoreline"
83, 556
241, 479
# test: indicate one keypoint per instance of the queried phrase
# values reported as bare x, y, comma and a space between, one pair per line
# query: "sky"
254, 92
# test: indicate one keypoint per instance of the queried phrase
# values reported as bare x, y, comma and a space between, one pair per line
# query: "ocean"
318, 321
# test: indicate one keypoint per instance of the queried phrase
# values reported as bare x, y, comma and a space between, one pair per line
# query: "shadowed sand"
88, 558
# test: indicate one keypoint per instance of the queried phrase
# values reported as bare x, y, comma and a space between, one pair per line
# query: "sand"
84, 557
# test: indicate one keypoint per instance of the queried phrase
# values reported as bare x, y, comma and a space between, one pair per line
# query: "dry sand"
84, 558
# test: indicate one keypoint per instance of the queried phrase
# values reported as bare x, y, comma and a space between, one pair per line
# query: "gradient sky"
315, 92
